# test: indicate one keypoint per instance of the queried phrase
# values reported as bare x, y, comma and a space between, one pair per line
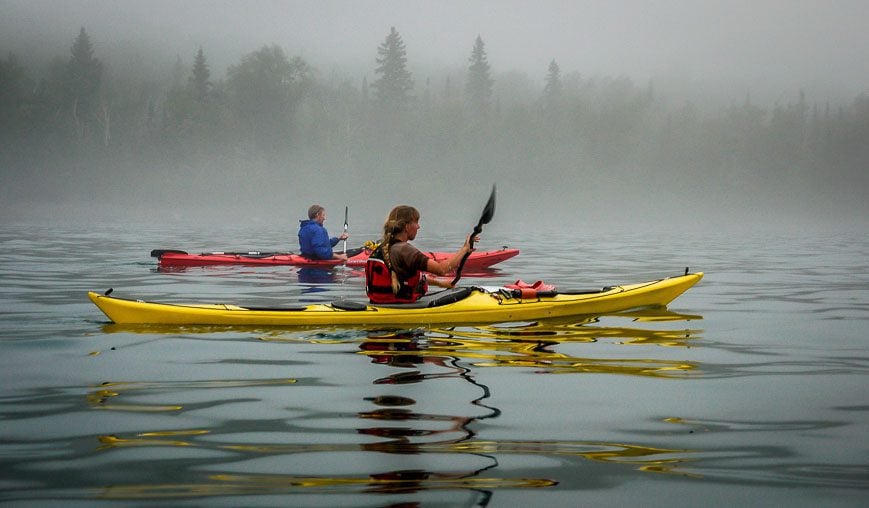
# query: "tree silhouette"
199, 83
478, 87
394, 85
11, 94
264, 92
569, 128
552, 91
191, 113
84, 78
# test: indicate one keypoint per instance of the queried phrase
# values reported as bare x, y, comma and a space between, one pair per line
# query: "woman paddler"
395, 271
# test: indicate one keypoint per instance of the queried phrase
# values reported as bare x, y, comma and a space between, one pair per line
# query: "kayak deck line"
471, 305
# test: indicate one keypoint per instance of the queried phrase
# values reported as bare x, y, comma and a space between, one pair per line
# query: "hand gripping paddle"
488, 213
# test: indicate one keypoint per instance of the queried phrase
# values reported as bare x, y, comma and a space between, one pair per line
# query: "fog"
671, 113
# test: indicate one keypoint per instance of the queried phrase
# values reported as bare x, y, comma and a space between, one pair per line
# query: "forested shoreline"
81, 126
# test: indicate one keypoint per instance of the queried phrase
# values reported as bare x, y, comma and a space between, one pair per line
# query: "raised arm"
446, 267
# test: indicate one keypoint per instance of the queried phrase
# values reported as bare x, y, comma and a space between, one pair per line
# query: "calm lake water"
749, 389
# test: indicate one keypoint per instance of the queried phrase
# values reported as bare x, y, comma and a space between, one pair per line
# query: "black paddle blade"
488, 211
158, 253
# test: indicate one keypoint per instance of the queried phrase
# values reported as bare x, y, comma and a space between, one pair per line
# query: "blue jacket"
314, 241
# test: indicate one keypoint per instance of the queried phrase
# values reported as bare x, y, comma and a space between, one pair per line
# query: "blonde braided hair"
398, 218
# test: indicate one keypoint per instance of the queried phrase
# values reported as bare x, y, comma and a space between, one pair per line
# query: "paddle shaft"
477, 231
158, 253
345, 229
488, 213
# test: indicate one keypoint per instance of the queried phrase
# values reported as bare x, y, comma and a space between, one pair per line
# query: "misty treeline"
82, 122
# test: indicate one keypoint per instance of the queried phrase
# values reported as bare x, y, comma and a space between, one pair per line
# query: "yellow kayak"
464, 305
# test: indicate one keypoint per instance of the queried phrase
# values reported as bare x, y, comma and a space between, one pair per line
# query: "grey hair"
314, 210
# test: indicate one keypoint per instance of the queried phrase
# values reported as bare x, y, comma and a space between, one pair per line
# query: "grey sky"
820, 45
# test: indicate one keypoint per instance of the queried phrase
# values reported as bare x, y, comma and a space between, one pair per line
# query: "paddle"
345, 229
485, 218
158, 253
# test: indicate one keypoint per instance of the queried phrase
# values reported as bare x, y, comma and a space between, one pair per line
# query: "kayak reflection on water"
407, 350
316, 276
412, 437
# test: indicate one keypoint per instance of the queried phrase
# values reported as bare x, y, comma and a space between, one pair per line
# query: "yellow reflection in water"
579, 332
530, 345
99, 398
540, 355
620, 453
643, 458
116, 442
402, 482
538, 345
331, 334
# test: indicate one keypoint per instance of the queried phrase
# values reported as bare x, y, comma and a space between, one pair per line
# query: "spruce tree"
84, 73
15, 108
478, 88
11, 91
552, 91
394, 85
199, 83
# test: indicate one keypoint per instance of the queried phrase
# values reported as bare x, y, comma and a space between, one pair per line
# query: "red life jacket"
378, 283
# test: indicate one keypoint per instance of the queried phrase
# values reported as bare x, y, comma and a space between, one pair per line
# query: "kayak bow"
464, 305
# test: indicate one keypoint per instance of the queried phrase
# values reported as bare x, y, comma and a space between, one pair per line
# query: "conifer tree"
478, 88
11, 93
199, 83
394, 85
84, 76
552, 91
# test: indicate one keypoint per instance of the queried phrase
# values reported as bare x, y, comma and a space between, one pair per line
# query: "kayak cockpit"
428, 301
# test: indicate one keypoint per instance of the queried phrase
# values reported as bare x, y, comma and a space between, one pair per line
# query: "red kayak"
478, 260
